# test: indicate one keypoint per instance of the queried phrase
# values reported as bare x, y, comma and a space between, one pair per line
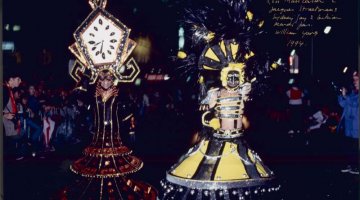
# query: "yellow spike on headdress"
209, 36
261, 23
222, 47
181, 55
234, 49
208, 68
201, 80
274, 66
249, 15
247, 56
211, 54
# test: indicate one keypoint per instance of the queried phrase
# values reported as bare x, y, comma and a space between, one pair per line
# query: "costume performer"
221, 165
102, 47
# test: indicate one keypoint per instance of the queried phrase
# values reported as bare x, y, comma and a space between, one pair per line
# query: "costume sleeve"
83, 84
210, 98
245, 90
6, 97
81, 91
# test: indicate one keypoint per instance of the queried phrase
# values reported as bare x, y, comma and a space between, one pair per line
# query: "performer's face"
233, 79
106, 80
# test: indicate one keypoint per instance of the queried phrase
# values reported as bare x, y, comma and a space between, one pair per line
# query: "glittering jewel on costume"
107, 157
222, 166
102, 49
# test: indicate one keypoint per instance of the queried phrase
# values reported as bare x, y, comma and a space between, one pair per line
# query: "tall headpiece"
102, 43
224, 29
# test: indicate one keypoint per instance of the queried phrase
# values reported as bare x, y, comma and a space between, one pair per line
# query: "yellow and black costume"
221, 165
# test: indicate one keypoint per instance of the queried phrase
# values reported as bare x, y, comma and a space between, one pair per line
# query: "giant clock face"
102, 38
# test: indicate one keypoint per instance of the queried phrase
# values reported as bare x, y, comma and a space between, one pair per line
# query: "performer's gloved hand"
204, 107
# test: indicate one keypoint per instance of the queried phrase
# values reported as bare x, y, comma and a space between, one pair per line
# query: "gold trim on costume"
96, 3
127, 117
74, 48
107, 152
258, 165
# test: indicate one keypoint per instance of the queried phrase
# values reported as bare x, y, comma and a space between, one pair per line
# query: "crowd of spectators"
45, 118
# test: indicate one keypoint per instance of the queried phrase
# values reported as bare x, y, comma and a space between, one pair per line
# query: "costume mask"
233, 79
106, 80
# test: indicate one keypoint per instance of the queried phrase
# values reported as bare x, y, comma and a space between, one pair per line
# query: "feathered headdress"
224, 30
217, 20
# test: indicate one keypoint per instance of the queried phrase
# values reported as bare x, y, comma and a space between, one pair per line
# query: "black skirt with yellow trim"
219, 168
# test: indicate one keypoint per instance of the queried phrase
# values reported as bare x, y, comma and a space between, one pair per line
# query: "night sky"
50, 25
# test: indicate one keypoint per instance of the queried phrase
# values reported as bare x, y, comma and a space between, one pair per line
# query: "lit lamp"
181, 38
327, 29
143, 49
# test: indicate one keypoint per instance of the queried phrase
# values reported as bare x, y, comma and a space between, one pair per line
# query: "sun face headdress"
225, 56
225, 28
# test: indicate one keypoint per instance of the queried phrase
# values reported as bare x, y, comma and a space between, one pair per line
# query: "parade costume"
102, 47
221, 165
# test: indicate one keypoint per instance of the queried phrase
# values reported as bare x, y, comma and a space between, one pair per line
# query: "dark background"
311, 173
50, 25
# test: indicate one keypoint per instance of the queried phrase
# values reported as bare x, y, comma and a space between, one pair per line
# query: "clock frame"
85, 47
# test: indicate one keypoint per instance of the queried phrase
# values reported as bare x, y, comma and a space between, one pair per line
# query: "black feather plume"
231, 21
227, 19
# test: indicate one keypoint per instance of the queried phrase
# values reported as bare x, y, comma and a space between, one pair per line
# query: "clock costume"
222, 165
102, 48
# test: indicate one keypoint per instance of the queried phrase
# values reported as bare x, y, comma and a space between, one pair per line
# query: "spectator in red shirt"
295, 96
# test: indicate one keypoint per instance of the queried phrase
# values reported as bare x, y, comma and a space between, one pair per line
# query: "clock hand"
102, 44
98, 43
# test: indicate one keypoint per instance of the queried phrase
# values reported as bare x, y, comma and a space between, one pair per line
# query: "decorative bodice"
106, 156
228, 107
107, 122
